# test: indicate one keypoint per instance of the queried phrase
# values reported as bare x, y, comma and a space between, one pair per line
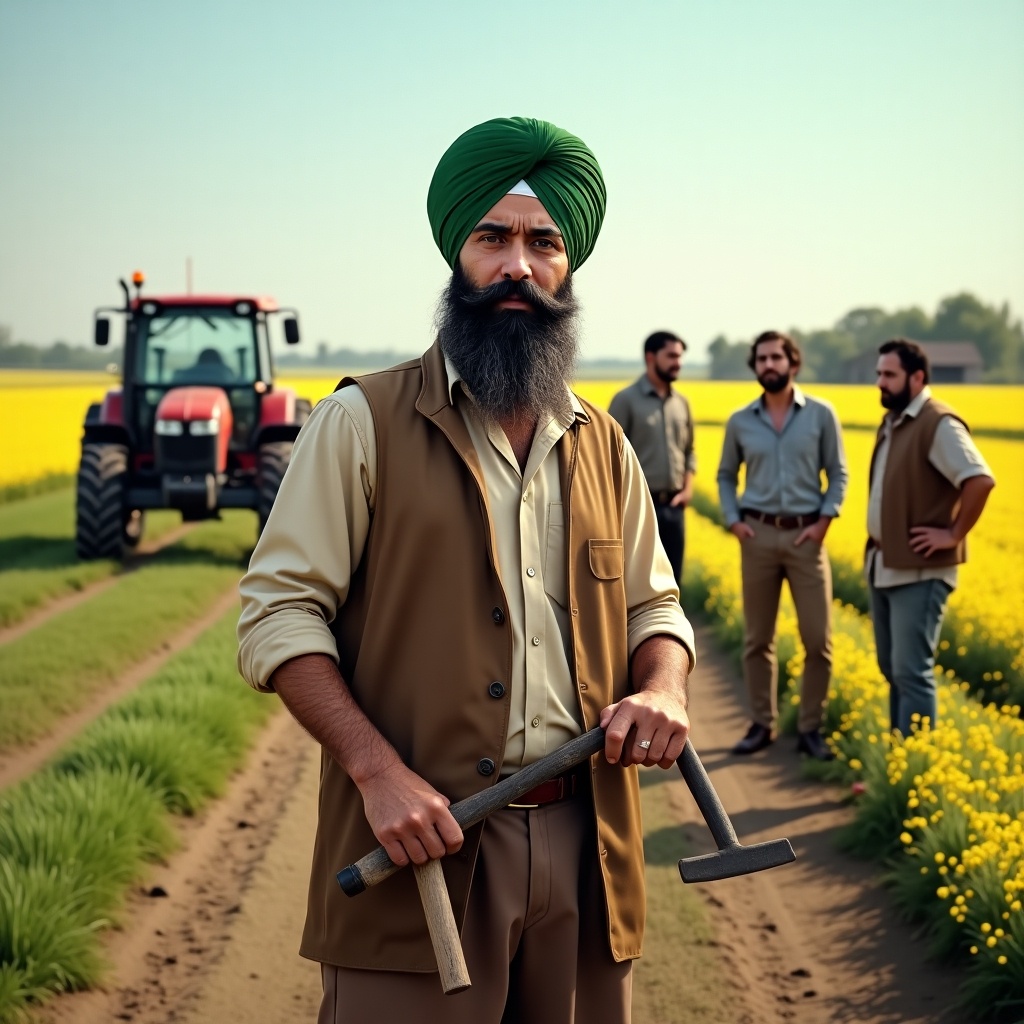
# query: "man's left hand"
683, 497
658, 716
926, 540
815, 532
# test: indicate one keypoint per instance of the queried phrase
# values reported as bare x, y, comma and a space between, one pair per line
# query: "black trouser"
672, 530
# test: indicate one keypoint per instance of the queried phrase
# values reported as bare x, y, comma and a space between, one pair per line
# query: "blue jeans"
907, 622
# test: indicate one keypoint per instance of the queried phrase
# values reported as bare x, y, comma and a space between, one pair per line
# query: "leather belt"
782, 522
562, 787
663, 497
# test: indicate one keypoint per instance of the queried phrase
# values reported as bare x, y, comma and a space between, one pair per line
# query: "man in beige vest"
462, 572
928, 486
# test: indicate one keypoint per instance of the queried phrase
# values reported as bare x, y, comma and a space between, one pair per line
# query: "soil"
212, 936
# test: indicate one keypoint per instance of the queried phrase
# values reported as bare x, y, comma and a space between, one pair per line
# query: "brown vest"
423, 634
914, 492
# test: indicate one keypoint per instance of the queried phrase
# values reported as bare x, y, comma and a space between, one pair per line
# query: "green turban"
481, 165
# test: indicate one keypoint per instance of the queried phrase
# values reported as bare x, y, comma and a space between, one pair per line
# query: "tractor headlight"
170, 428
204, 428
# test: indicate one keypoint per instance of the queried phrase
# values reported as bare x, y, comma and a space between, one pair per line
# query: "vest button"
498, 615
496, 689
485, 766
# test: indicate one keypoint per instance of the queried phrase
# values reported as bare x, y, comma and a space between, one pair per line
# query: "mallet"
731, 859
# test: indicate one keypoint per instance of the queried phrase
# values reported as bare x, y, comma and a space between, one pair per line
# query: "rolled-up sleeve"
302, 566
833, 461
652, 596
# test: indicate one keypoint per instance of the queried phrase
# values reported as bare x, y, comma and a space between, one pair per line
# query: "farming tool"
197, 423
731, 858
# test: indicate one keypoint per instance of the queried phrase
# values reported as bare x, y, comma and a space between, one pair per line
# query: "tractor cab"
198, 421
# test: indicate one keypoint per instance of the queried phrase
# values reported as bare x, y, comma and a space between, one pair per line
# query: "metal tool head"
736, 860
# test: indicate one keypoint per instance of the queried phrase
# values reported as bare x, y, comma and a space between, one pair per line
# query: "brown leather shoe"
811, 743
757, 738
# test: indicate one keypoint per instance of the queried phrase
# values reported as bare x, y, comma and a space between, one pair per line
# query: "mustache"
483, 299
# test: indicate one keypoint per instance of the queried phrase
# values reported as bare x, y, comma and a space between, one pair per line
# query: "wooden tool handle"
377, 865
444, 936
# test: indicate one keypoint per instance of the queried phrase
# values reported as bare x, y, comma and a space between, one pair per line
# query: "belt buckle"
777, 522
522, 807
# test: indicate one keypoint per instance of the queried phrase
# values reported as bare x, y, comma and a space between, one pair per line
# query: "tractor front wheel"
271, 462
99, 504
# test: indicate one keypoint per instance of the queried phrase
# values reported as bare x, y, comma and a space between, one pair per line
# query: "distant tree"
963, 317
728, 359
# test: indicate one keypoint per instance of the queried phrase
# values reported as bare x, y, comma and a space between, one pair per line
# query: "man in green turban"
461, 573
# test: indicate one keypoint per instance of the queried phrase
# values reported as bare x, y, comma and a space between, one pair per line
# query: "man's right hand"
409, 817
741, 531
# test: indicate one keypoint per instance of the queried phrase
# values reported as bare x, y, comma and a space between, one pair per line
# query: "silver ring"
644, 743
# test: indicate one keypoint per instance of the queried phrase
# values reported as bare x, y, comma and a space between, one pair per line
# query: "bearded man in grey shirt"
659, 425
785, 439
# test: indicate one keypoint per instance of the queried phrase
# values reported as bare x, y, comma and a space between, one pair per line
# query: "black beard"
666, 376
897, 401
773, 385
513, 361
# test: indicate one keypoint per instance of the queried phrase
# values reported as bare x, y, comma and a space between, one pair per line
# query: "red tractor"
197, 423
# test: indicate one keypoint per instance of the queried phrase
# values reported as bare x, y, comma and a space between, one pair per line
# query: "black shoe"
757, 738
812, 743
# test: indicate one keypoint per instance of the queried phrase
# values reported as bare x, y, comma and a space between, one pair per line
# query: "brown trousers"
768, 558
535, 938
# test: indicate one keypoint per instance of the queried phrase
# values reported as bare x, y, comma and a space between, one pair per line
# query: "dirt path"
814, 942
20, 762
134, 561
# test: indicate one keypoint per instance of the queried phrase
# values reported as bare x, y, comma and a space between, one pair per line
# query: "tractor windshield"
196, 346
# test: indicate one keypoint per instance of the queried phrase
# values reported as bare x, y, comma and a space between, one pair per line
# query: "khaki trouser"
768, 558
535, 938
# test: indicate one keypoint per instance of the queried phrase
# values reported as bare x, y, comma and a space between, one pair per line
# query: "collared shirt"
300, 572
954, 454
660, 431
783, 467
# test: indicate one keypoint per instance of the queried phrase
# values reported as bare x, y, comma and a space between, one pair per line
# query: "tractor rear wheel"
99, 506
271, 462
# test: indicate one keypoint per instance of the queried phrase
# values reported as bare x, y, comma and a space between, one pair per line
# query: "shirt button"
531, 571
496, 689
535, 641
583, 686
535, 723
498, 615
485, 766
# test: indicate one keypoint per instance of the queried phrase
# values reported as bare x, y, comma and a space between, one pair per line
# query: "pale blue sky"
769, 164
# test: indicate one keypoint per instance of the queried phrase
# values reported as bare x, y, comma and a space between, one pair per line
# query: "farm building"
953, 362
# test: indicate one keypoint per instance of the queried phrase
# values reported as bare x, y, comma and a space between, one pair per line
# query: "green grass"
680, 966
37, 552
76, 835
54, 669
18, 492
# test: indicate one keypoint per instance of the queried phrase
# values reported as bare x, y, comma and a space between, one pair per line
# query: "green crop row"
50, 482
77, 834
943, 809
37, 552
54, 669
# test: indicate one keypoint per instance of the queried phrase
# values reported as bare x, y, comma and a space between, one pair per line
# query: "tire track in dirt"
816, 941
20, 762
59, 605
204, 938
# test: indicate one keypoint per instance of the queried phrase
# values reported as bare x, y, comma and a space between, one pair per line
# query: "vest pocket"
555, 554
606, 559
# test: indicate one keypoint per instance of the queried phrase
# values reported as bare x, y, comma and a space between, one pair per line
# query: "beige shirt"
954, 454
301, 568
